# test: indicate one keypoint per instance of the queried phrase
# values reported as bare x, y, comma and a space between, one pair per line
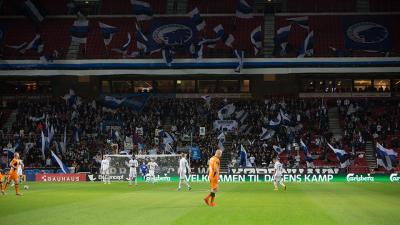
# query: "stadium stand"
321, 6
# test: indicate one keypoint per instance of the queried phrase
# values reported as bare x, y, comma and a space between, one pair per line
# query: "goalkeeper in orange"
213, 174
13, 176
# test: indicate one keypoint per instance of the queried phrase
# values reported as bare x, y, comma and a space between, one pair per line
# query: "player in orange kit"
213, 174
13, 176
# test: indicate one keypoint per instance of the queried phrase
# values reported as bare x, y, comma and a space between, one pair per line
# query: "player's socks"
207, 198
17, 189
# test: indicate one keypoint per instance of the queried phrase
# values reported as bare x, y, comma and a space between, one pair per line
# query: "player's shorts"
132, 173
151, 173
278, 178
13, 176
214, 183
182, 175
105, 172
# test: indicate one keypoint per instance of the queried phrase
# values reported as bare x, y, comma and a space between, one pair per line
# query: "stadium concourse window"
185, 86
362, 85
105, 86
125, 86
26, 87
344, 85
141, 86
164, 86
308, 86
228, 86
324, 86
382, 85
396, 85
245, 86
207, 86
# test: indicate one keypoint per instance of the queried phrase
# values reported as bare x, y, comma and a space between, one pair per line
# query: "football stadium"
199, 112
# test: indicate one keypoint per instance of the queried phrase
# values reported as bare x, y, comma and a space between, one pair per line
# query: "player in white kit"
105, 170
278, 167
152, 169
182, 170
133, 165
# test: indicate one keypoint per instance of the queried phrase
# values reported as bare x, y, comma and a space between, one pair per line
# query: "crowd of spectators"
92, 127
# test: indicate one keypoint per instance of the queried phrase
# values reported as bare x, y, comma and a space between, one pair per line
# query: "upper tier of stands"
55, 34
321, 6
328, 32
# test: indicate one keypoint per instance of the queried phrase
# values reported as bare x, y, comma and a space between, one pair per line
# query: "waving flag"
307, 47
256, 37
275, 122
301, 21
43, 140
240, 56
284, 115
266, 134
168, 138
307, 153
113, 102
197, 19
142, 10
219, 30
281, 38
125, 47
278, 149
108, 32
36, 44
63, 167
33, 10
241, 116
226, 111
167, 56
207, 98
221, 141
79, 31
342, 156
386, 157
244, 10
20, 48
141, 40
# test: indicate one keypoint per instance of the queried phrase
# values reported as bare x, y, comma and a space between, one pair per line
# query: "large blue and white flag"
244, 10
36, 44
301, 21
142, 10
342, 156
33, 10
278, 149
275, 122
196, 18
240, 57
221, 141
256, 37
228, 39
168, 138
266, 134
241, 116
63, 167
79, 31
281, 38
284, 115
307, 47
108, 32
226, 111
113, 102
307, 153
20, 48
43, 140
125, 47
386, 157
167, 56
207, 98
372, 33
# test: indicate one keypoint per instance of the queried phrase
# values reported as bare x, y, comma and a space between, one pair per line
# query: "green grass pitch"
237, 203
